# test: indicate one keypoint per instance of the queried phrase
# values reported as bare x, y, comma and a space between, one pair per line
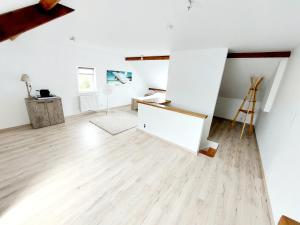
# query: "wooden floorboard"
77, 174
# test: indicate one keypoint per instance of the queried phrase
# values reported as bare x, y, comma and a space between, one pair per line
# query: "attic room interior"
141, 112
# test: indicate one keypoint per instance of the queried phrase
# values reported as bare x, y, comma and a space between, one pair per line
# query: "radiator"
88, 102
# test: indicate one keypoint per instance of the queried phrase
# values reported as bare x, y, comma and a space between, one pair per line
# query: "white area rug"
116, 122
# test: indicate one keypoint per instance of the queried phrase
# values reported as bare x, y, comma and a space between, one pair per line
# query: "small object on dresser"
45, 112
44, 93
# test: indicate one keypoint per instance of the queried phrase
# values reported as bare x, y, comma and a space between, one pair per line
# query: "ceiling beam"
48, 4
284, 54
21, 20
142, 58
230, 55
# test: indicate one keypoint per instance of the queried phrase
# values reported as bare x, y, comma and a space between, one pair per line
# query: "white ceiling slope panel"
257, 25
237, 74
154, 73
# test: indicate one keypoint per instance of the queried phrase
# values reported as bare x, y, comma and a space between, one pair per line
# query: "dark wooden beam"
230, 55
285, 54
21, 20
142, 58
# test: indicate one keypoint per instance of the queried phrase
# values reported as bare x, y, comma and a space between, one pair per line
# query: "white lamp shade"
25, 78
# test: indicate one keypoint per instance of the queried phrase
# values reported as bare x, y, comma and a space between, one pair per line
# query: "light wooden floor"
76, 174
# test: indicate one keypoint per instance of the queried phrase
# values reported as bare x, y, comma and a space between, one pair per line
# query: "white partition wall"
181, 129
194, 81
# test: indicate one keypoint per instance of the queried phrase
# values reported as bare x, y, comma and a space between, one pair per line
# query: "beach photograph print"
118, 77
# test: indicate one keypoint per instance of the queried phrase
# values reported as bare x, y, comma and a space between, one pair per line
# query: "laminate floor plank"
77, 174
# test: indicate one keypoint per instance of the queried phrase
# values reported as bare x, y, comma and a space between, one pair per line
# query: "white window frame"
95, 88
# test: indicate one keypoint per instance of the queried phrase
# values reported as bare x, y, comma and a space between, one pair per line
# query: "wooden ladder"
251, 98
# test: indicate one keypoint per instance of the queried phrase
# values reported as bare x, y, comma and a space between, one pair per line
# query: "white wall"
227, 108
271, 90
53, 66
278, 139
154, 73
236, 82
194, 81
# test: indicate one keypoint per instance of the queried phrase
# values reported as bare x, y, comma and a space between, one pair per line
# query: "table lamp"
25, 78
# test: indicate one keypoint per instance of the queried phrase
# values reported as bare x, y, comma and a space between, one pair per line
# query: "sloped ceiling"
154, 73
237, 74
142, 25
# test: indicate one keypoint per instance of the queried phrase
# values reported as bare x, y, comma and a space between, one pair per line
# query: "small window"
86, 79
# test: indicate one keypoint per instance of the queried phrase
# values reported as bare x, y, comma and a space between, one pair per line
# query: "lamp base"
28, 87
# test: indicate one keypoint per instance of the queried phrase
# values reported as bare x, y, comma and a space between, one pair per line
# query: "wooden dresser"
45, 112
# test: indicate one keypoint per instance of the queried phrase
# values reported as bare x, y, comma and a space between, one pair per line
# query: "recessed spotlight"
170, 26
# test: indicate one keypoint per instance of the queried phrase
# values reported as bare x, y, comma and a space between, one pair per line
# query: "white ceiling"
142, 25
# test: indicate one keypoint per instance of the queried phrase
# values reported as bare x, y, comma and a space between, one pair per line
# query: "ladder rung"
246, 111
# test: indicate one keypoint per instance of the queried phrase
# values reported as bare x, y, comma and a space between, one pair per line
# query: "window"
86, 79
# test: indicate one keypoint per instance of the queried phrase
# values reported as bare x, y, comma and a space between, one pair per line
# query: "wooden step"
246, 111
210, 152
287, 221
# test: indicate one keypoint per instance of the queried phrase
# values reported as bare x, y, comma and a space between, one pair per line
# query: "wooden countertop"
165, 106
49, 99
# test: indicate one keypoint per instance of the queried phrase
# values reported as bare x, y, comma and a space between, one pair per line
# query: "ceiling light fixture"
170, 26
190, 4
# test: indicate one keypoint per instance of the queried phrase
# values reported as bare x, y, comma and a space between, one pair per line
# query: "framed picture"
118, 77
